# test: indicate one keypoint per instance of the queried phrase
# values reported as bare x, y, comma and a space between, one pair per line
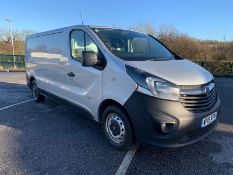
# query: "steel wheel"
35, 92
115, 128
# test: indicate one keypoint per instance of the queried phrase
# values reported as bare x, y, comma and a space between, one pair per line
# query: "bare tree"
168, 31
18, 35
18, 38
5, 35
144, 27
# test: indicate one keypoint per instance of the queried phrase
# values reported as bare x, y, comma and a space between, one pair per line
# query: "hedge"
218, 68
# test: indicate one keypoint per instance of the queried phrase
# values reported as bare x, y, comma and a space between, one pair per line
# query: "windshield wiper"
160, 59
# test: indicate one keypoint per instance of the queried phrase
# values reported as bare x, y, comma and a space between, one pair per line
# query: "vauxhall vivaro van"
130, 82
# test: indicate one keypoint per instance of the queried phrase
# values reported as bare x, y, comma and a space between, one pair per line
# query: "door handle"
71, 74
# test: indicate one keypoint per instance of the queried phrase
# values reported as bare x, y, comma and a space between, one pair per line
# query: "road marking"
13, 82
6, 107
224, 127
126, 161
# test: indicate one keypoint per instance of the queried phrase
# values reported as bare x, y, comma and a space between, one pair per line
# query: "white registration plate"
208, 120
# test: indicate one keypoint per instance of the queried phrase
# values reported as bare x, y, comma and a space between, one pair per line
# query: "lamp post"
9, 21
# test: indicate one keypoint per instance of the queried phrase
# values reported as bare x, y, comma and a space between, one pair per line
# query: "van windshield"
133, 46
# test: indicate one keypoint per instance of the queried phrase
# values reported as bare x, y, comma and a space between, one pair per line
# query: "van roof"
64, 28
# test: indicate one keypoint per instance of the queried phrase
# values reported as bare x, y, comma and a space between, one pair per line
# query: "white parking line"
225, 127
6, 107
13, 82
126, 161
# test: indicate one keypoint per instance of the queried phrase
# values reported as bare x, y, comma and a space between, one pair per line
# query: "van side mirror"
89, 59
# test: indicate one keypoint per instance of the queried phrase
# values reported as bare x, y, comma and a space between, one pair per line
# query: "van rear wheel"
117, 128
35, 92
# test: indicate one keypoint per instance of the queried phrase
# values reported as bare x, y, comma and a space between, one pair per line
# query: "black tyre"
35, 92
117, 128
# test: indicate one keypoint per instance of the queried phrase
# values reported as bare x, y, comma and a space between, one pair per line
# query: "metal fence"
12, 62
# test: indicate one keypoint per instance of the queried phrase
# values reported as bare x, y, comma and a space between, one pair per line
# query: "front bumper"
147, 113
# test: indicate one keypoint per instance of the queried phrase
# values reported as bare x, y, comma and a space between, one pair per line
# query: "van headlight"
156, 86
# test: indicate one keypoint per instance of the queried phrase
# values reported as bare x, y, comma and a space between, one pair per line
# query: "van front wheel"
35, 92
117, 128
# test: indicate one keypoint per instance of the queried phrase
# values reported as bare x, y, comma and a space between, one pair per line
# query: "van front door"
84, 84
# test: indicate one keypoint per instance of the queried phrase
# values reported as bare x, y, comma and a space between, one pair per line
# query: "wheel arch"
109, 102
30, 81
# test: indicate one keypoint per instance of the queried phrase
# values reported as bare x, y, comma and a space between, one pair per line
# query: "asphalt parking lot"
50, 138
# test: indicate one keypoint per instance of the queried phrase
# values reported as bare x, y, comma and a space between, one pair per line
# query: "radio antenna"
80, 13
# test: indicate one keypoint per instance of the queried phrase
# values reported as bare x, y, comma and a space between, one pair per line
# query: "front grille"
199, 100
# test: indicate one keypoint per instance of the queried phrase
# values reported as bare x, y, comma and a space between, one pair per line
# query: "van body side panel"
117, 85
85, 88
46, 56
